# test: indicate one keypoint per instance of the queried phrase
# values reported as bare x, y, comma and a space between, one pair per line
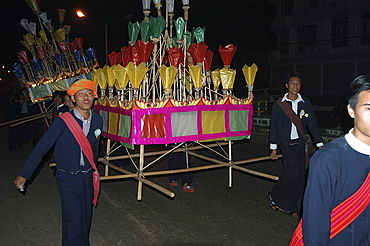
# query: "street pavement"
213, 215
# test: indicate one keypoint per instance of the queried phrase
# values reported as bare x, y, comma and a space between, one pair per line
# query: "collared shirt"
293, 131
85, 129
59, 106
357, 144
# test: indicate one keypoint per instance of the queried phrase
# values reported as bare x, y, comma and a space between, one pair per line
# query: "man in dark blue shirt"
336, 172
74, 174
285, 195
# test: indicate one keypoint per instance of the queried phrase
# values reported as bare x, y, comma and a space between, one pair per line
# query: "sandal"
276, 208
273, 204
294, 214
188, 188
173, 183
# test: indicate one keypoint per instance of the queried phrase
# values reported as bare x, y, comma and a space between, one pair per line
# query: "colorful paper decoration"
250, 73
227, 53
198, 51
216, 78
136, 73
196, 75
121, 76
172, 122
145, 49
126, 55
133, 31
115, 58
227, 78
208, 60
167, 75
176, 56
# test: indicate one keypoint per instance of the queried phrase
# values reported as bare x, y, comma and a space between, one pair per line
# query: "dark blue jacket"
67, 152
336, 172
280, 124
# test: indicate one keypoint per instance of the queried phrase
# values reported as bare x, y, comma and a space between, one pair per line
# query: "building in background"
327, 41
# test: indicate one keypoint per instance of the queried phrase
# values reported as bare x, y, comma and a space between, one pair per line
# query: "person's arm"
43, 146
313, 126
273, 131
318, 199
96, 144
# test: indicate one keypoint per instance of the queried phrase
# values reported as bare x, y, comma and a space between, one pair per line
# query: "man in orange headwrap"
82, 84
76, 137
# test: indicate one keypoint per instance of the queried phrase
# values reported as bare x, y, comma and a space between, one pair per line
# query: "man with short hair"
289, 117
75, 162
58, 101
335, 206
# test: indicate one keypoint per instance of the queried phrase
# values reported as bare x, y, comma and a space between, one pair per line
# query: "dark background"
242, 23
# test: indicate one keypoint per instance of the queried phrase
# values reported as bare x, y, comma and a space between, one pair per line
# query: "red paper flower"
115, 58
135, 56
41, 52
227, 53
144, 49
198, 51
63, 47
208, 60
23, 57
126, 55
176, 56
79, 43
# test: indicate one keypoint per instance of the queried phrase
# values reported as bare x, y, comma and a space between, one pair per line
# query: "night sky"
240, 22
244, 23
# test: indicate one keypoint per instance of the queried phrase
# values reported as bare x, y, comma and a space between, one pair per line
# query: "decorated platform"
171, 121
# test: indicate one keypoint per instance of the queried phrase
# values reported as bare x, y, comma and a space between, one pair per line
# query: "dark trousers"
289, 188
76, 193
178, 161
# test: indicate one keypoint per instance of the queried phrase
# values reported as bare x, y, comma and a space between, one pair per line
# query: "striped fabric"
80, 137
342, 215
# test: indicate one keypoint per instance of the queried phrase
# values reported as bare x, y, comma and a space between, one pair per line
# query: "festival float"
158, 89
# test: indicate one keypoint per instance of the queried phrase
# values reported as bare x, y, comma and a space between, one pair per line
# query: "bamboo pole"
107, 157
163, 155
256, 173
145, 181
16, 120
112, 158
28, 118
230, 167
214, 151
25, 121
141, 164
221, 164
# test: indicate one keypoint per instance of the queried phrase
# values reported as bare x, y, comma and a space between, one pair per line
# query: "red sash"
342, 215
80, 137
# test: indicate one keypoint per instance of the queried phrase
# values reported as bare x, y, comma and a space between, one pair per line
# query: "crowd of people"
336, 193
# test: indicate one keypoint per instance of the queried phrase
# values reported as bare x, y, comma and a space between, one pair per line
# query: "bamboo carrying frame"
140, 174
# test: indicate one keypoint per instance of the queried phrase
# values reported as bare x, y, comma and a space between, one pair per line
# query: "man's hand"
273, 154
19, 182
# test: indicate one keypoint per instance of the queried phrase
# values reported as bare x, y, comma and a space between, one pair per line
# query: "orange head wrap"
82, 84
